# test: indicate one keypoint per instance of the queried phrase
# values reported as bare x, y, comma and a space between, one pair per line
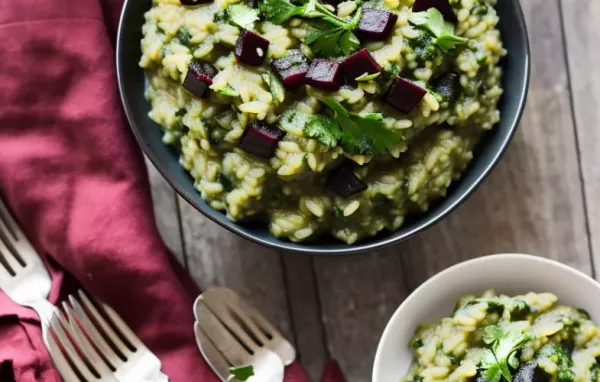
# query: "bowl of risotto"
323, 126
498, 318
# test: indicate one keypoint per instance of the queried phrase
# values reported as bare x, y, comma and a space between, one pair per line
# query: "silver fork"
222, 350
23, 276
246, 323
108, 349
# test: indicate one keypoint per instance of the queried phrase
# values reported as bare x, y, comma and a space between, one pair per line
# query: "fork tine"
122, 326
248, 321
9, 257
215, 303
59, 359
114, 338
85, 345
8, 221
94, 334
227, 344
56, 325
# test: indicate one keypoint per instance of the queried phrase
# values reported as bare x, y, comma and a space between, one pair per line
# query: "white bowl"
507, 273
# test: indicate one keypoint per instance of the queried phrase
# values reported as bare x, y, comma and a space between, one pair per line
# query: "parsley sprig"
501, 356
242, 16
331, 36
242, 373
443, 31
362, 134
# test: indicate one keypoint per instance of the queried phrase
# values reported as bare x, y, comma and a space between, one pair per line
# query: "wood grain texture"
532, 202
306, 312
581, 19
358, 295
166, 214
217, 257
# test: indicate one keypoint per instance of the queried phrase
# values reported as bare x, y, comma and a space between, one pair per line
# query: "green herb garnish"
225, 182
331, 35
497, 360
181, 112
242, 373
368, 77
228, 91
337, 212
184, 36
481, 9
559, 356
495, 307
323, 129
417, 343
333, 40
443, 31
242, 16
362, 134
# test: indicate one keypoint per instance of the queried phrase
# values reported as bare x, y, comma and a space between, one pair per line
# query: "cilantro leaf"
506, 346
433, 21
279, 11
242, 373
362, 134
328, 40
242, 15
181, 112
323, 129
492, 334
498, 360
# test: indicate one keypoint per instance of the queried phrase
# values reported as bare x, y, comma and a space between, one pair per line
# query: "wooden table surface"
543, 199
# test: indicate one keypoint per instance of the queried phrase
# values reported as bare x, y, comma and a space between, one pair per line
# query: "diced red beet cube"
251, 48
343, 181
195, 2
404, 95
441, 5
261, 139
199, 76
360, 63
291, 69
324, 74
375, 24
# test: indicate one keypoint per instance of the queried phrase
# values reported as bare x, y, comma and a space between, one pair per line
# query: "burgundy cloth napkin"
75, 178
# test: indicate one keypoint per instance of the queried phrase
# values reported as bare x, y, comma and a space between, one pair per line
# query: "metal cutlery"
246, 323
232, 333
109, 350
222, 350
78, 339
23, 276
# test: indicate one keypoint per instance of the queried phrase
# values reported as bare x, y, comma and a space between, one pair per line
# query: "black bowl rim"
308, 248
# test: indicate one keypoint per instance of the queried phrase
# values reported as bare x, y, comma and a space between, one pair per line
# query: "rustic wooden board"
581, 19
305, 311
217, 257
358, 295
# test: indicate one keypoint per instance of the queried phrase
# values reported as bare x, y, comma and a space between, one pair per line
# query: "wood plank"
533, 201
358, 296
581, 19
217, 257
166, 212
306, 312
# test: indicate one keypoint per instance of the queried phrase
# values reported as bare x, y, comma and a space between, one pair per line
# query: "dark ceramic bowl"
148, 134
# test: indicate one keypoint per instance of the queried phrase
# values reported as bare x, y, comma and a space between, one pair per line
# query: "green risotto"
494, 338
321, 118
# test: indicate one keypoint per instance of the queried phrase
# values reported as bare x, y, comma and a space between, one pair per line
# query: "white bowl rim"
434, 278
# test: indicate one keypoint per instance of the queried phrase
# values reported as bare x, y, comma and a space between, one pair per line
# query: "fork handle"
44, 309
